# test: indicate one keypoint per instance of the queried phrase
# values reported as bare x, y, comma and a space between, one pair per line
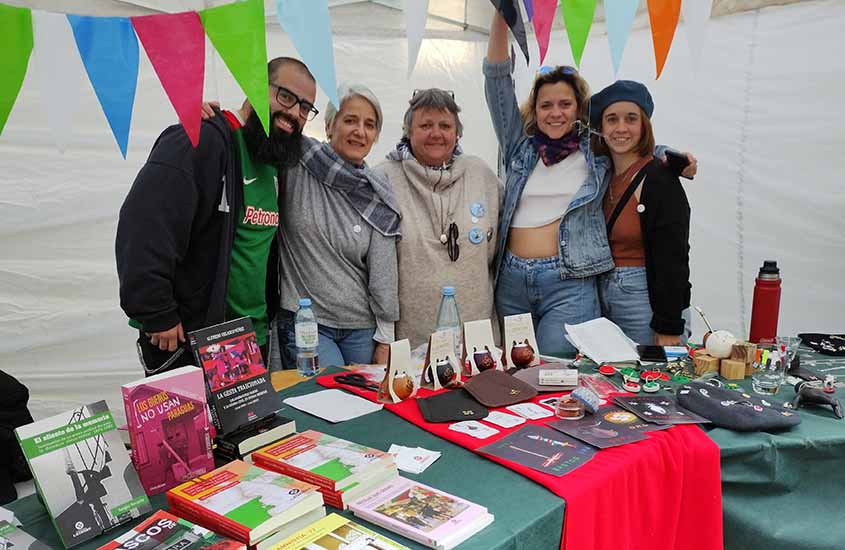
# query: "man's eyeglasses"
288, 99
547, 69
452, 242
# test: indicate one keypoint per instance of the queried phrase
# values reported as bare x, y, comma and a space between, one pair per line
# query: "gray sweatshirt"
329, 253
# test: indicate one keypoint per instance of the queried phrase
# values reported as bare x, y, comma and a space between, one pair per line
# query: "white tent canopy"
760, 115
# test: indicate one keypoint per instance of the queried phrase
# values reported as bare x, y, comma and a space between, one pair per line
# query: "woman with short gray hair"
338, 231
450, 211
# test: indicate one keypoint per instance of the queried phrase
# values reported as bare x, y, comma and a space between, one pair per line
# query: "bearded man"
196, 237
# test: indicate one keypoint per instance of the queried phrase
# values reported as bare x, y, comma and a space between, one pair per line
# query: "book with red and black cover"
169, 428
246, 503
238, 383
164, 531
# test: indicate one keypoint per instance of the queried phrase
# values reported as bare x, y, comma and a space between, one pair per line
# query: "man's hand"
667, 339
168, 340
208, 109
381, 353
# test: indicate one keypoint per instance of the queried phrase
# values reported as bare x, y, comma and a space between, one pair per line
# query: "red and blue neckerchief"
553, 151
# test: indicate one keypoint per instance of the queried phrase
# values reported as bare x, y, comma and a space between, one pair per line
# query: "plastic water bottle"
448, 319
307, 336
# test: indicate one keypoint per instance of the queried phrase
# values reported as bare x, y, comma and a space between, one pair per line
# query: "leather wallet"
451, 406
495, 388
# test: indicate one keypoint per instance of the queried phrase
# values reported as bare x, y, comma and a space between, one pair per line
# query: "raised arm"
497, 44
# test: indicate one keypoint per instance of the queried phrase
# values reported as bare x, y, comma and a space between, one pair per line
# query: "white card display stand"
399, 368
478, 337
518, 329
441, 348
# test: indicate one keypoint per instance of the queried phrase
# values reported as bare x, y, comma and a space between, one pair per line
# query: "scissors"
357, 380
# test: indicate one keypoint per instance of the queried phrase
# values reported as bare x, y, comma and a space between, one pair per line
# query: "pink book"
169, 428
427, 515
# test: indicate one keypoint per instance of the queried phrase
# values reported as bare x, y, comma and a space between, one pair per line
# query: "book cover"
237, 381
12, 538
169, 428
322, 459
335, 532
83, 472
243, 502
421, 513
164, 531
542, 449
610, 426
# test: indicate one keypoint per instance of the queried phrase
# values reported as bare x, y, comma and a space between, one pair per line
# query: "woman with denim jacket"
552, 243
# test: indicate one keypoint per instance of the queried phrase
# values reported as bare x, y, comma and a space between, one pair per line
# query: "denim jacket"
582, 238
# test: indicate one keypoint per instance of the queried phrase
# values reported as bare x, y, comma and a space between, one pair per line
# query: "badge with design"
477, 210
476, 235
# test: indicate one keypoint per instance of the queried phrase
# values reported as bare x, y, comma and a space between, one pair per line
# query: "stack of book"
13, 538
429, 516
169, 428
335, 532
83, 472
248, 504
344, 471
242, 400
164, 531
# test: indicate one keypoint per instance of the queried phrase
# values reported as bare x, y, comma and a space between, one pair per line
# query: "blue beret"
621, 90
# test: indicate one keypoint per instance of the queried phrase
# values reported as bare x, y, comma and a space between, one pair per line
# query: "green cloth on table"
528, 517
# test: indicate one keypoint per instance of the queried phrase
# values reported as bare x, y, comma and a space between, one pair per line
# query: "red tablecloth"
662, 493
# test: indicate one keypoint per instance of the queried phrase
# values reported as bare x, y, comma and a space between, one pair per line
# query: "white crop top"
549, 190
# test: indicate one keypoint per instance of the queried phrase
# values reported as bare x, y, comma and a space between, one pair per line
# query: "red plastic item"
766, 305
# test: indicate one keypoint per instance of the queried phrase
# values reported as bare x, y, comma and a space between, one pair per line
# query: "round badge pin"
607, 370
651, 386
477, 210
356, 228
476, 235
640, 208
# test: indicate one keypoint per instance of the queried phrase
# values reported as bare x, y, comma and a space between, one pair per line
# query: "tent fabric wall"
762, 116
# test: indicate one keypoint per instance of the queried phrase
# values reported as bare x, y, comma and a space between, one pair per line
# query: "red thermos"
764, 310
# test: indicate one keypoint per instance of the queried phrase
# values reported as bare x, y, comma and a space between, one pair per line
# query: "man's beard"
281, 149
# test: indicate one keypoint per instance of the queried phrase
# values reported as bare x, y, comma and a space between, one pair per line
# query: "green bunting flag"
237, 32
578, 18
16, 45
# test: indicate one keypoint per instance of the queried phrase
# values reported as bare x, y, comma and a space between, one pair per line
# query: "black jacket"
176, 229
665, 226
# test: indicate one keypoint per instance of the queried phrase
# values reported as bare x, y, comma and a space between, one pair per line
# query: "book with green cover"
83, 472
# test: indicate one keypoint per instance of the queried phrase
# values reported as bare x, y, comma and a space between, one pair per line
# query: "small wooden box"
732, 369
745, 352
705, 363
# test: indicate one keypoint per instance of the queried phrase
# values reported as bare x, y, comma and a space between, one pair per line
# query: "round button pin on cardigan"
476, 235
477, 210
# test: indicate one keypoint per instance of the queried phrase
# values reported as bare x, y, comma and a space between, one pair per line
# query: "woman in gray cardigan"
338, 233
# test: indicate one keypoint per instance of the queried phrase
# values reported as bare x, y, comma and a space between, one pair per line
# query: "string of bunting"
175, 46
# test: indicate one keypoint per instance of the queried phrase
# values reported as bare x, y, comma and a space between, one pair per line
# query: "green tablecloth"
528, 517
786, 491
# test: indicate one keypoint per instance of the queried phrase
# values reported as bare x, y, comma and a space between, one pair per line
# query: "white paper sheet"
333, 405
602, 341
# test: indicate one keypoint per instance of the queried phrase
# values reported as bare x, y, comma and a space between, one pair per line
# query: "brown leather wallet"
495, 388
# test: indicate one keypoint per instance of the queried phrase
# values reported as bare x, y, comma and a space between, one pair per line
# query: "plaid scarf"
403, 152
369, 193
553, 151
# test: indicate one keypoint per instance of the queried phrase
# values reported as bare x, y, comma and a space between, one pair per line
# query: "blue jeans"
624, 300
535, 286
336, 346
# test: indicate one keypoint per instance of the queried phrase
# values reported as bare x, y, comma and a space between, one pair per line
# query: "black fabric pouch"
736, 410
828, 344
451, 406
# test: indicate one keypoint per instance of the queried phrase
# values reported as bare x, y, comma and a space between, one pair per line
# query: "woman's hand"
381, 353
667, 339
692, 168
208, 109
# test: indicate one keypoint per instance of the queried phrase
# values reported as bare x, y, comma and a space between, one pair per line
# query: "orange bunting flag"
663, 15
175, 44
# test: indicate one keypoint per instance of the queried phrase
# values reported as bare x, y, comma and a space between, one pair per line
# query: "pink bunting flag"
175, 44
544, 16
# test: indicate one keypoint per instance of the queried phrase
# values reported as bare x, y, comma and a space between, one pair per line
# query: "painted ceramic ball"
719, 344
484, 360
403, 386
522, 354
